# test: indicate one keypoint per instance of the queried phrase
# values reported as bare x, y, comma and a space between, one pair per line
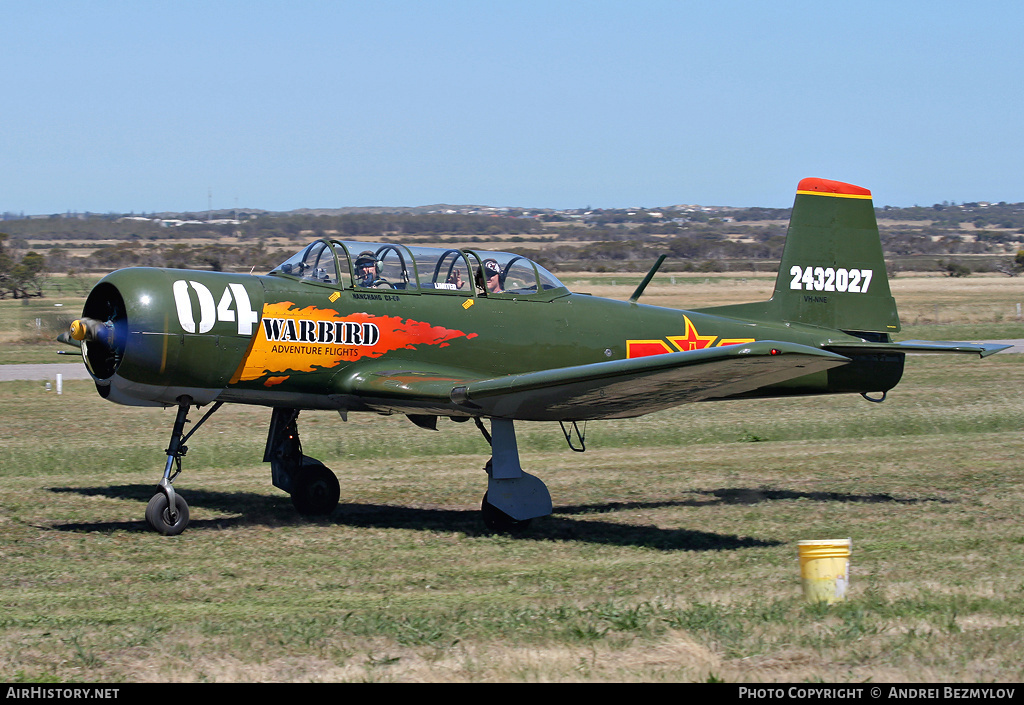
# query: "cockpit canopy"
371, 265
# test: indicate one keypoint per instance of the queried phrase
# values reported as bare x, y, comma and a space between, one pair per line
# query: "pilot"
367, 274
492, 275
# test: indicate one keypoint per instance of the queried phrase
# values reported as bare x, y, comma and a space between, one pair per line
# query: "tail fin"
832, 272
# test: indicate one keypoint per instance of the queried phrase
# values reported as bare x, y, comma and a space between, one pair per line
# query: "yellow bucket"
825, 569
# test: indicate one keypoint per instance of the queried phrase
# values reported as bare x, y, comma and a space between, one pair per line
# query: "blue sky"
170, 106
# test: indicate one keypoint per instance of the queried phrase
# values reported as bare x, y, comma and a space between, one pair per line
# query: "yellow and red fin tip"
826, 187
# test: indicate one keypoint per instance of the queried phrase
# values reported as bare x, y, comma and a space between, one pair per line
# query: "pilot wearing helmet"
368, 272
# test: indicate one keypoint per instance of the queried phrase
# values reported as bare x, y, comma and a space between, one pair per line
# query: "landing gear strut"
167, 511
313, 487
513, 497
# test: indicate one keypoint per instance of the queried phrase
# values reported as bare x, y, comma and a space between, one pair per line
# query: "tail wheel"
315, 491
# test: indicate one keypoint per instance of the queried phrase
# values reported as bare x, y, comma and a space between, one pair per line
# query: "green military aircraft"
468, 334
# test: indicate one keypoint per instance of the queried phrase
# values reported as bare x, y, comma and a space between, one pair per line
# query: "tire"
499, 522
159, 518
315, 491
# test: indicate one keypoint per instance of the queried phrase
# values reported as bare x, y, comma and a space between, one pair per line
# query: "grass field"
671, 554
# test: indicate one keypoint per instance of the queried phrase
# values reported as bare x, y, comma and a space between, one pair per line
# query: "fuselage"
288, 340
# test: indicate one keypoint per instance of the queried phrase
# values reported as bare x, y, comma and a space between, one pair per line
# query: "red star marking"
691, 340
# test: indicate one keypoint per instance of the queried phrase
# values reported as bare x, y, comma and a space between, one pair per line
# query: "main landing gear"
313, 487
513, 497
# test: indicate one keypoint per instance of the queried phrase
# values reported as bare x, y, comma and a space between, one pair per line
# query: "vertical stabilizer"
832, 272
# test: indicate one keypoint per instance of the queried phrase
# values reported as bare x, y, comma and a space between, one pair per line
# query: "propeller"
93, 331
101, 332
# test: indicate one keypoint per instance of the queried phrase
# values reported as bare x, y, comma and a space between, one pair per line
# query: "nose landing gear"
167, 512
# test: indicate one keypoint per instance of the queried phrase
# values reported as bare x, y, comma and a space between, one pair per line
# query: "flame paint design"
291, 340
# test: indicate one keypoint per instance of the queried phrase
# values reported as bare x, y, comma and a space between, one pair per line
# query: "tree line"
20, 277
584, 240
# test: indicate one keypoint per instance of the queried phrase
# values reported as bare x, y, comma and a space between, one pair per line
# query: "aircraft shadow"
745, 495
263, 510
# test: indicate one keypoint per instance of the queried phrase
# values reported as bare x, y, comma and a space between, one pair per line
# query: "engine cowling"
151, 335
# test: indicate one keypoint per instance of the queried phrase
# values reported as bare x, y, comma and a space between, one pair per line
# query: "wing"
603, 390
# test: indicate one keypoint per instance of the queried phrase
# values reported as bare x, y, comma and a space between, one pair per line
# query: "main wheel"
499, 522
315, 491
159, 518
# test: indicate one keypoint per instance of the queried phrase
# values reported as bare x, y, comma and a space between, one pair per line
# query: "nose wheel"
164, 521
